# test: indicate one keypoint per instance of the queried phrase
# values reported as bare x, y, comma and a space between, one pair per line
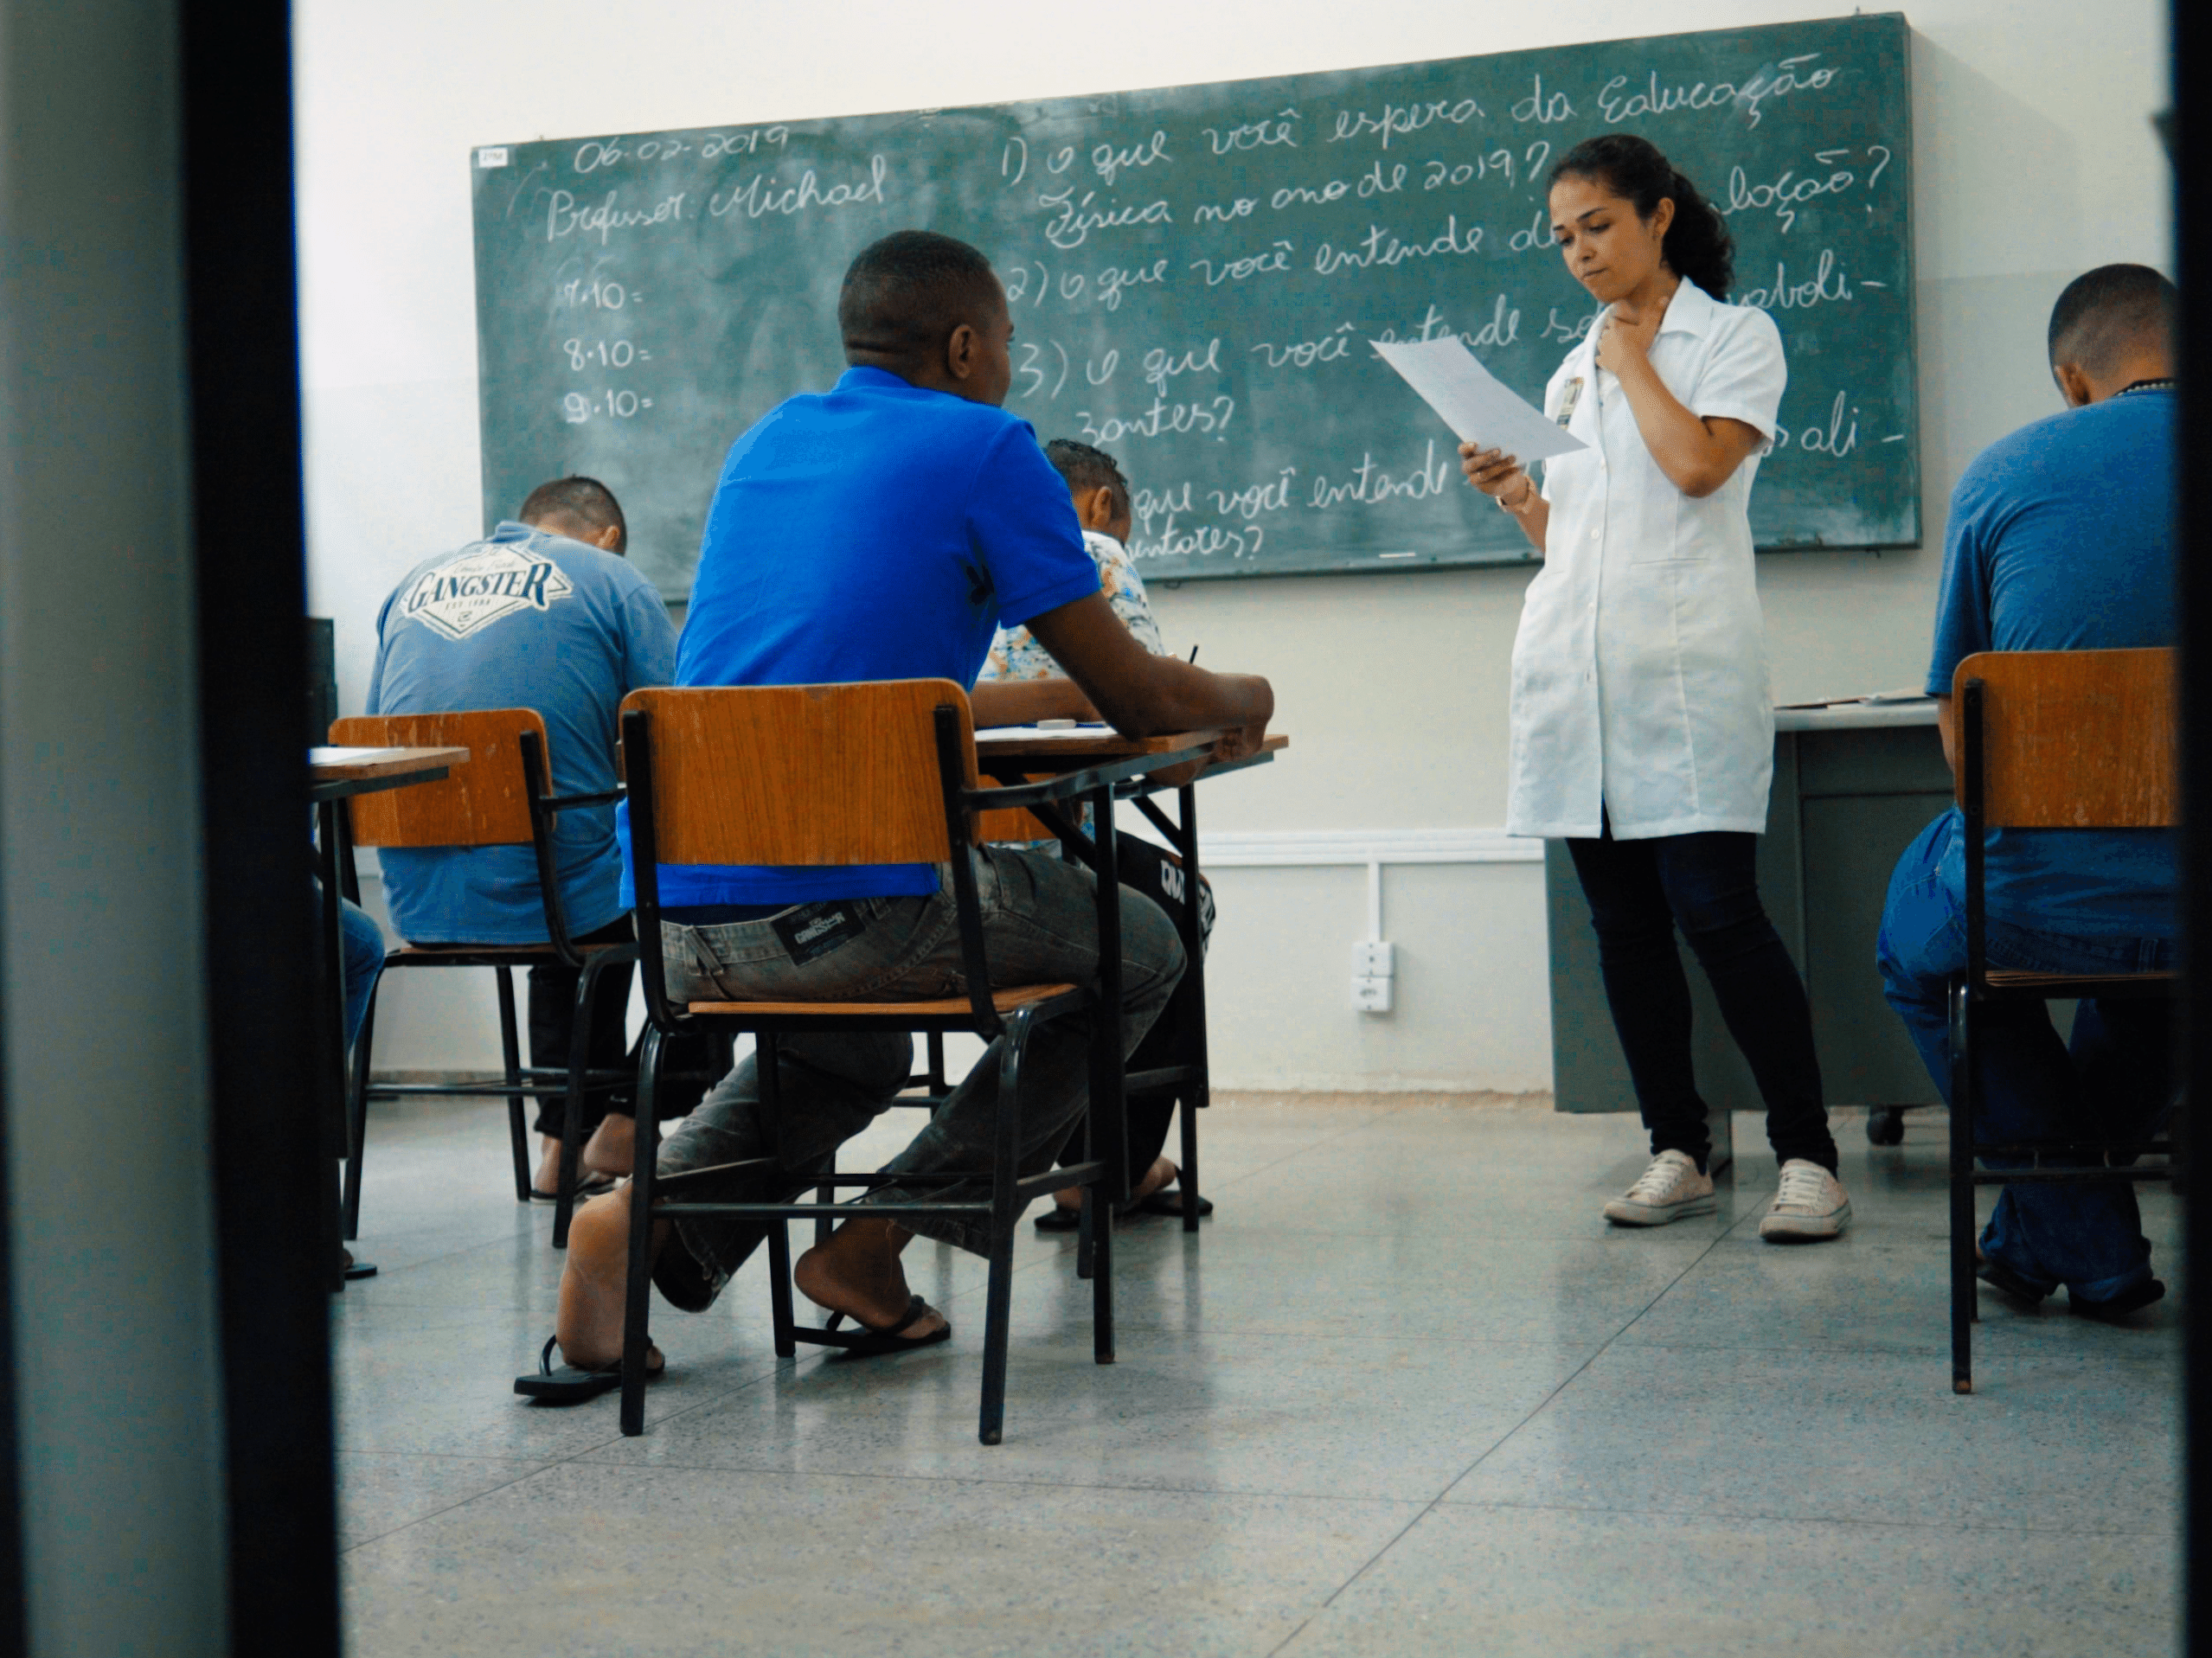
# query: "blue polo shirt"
2061, 538
877, 531
520, 620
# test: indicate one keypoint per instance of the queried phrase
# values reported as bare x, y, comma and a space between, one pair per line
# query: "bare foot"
593, 1288
611, 1147
857, 1273
1157, 1178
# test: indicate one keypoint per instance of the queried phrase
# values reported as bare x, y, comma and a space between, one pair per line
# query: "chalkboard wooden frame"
1194, 271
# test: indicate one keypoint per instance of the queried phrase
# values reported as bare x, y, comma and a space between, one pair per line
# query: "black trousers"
1639, 892
1176, 1034
553, 1022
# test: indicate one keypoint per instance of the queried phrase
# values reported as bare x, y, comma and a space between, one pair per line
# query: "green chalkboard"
1196, 272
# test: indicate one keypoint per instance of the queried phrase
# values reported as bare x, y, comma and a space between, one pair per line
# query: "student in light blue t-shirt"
883, 530
544, 613
2061, 538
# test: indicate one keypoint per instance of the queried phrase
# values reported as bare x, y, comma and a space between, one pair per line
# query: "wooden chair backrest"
2074, 739
482, 803
802, 774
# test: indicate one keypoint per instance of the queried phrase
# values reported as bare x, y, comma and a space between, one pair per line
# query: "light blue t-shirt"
2061, 538
876, 531
522, 620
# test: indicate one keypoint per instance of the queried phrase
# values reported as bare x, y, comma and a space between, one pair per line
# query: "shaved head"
2111, 316
904, 296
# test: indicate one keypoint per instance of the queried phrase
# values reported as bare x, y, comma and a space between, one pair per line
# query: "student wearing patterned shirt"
1101, 496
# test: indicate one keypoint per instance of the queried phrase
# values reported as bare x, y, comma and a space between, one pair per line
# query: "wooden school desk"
1011, 755
1853, 784
336, 774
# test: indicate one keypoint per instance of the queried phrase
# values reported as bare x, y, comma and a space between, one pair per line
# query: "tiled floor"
1406, 1393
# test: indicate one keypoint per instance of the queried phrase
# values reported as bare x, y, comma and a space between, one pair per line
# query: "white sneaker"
1811, 1204
1670, 1189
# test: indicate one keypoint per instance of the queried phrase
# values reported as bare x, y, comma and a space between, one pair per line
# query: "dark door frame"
273, 1177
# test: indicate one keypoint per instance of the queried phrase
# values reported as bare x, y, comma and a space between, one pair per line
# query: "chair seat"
1006, 1000
2022, 983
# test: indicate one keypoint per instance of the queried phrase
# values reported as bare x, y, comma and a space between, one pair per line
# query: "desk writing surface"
1026, 743
359, 764
1197, 273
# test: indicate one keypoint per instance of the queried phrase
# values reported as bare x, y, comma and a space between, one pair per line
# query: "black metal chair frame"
1190, 1081
1105, 1166
517, 1082
1974, 989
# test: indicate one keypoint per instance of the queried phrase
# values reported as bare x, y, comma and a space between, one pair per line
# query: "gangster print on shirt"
480, 584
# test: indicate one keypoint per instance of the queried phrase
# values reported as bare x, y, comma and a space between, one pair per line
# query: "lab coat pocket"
1659, 535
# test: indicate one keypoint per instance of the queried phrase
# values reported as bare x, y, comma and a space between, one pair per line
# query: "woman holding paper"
1643, 727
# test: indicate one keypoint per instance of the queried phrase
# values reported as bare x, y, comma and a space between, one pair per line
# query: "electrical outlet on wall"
1374, 967
1373, 961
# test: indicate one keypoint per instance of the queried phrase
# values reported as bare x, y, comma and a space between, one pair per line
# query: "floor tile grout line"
1950, 1525
462, 1502
1541, 1406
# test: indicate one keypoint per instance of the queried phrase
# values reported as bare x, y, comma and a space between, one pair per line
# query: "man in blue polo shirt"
545, 613
885, 529
2061, 538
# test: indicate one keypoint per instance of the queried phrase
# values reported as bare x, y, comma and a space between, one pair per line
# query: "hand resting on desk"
1141, 694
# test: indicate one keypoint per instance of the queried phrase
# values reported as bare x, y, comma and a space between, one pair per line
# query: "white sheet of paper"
1474, 402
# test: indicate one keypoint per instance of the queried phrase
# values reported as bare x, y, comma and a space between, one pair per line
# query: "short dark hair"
1697, 247
584, 501
1085, 468
904, 295
2109, 311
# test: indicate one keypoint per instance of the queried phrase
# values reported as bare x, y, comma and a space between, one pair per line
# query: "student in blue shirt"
885, 529
2061, 538
544, 613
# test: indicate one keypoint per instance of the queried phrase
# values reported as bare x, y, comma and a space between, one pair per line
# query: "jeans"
361, 944
2115, 1082
1639, 892
1040, 927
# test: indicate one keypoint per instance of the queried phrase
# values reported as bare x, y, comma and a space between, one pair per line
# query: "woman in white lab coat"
1643, 729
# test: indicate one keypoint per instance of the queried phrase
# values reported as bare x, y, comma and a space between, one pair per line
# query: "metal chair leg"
511, 1053
1963, 1102
779, 1288
1005, 1173
1102, 1294
357, 1118
767, 1061
822, 1227
639, 1269
572, 1114
1186, 1107
1086, 1232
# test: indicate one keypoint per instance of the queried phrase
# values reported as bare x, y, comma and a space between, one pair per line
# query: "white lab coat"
1640, 671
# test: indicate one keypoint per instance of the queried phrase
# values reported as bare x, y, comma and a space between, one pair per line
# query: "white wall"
2033, 160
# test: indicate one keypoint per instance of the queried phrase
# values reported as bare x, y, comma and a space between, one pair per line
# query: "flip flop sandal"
1169, 1200
865, 1343
590, 1186
572, 1384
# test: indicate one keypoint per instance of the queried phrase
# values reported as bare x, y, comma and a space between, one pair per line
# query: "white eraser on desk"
1056, 725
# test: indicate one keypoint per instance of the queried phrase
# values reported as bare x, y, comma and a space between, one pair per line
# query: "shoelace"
1656, 1181
1801, 1186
